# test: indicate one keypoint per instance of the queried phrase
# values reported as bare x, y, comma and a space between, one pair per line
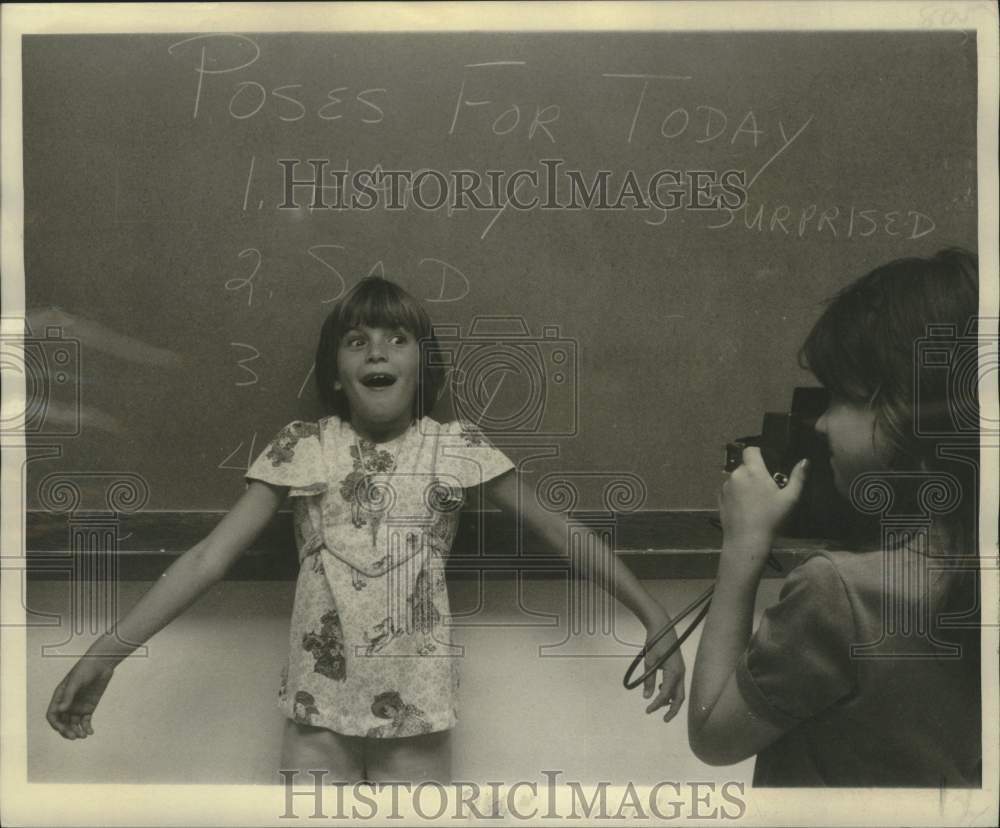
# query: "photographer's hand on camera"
752, 507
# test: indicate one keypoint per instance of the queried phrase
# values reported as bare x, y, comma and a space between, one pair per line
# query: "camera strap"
706, 599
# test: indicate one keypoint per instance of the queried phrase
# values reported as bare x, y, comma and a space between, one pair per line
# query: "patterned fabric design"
282, 448
327, 647
370, 650
404, 719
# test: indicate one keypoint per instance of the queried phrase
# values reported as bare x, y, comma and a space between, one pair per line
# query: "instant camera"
786, 438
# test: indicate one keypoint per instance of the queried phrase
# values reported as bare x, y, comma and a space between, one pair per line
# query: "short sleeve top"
851, 665
351, 490
376, 522
799, 661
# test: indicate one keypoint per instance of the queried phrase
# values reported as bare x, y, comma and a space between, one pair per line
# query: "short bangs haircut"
376, 303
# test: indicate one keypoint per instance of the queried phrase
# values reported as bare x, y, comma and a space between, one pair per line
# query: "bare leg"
410, 759
305, 748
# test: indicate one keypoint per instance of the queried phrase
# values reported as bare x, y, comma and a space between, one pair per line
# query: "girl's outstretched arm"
606, 568
722, 729
184, 581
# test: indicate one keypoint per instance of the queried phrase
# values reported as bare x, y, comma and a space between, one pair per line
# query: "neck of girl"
381, 432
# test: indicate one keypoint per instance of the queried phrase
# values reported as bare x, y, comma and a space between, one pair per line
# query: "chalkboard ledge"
655, 544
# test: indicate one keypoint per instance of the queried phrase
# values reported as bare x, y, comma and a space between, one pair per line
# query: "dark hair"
868, 348
376, 303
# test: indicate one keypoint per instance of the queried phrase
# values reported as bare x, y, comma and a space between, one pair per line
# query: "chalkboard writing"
639, 227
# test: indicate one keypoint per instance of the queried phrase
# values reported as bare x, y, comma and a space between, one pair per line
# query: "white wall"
201, 707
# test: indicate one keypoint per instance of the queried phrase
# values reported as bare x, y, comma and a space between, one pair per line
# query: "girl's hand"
672, 687
76, 696
752, 506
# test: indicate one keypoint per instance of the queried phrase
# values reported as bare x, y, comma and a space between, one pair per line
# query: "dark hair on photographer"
864, 348
376, 303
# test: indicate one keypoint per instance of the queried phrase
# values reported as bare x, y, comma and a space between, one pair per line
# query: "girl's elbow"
701, 749
714, 758
715, 750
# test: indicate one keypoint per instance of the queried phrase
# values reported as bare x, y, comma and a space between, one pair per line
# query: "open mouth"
378, 380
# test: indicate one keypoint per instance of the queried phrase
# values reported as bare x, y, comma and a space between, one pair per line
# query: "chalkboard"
162, 250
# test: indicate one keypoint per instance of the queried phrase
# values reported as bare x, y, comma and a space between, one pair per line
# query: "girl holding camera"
866, 671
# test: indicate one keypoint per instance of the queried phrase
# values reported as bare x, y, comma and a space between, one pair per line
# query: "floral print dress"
370, 647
